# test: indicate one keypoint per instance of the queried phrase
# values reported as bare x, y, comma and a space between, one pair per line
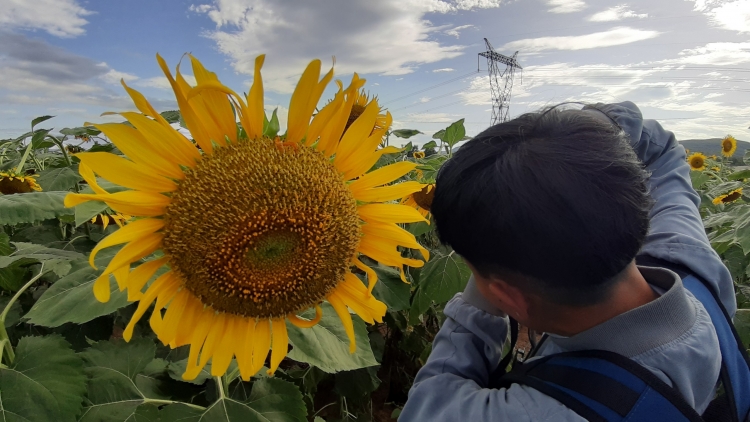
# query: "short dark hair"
557, 200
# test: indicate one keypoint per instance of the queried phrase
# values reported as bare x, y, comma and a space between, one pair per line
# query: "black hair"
555, 201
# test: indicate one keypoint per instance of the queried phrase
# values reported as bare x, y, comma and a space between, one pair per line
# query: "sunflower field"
199, 265
236, 273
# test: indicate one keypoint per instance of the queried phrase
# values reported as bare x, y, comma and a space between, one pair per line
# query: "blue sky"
685, 62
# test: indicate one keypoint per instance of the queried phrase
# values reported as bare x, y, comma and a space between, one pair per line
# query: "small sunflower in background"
728, 146
360, 103
12, 182
254, 229
421, 200
106, 219
418, 155
697, 161
729, 197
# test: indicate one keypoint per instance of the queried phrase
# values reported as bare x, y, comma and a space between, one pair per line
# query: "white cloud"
388, 37
456, 31
445, 69
613, 37
566, 6
61, 18
113, 76
616, 13
726, 14
161, 82
716, 54
424, 99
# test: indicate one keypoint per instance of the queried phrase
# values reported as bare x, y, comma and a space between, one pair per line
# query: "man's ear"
514, 301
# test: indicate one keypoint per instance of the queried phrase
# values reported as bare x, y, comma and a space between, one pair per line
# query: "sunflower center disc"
262, 230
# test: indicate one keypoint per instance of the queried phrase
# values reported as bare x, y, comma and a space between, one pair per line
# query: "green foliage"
405, 133
32, 207
46, 382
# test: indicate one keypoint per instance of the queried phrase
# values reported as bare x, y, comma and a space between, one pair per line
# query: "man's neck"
629, 293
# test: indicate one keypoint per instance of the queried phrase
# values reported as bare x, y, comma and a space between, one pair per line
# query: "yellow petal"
359, 164
193, 122
223, 354
132, 231
322, 119
382, 176
363, 151
167, 284
217, 105
255, 112
121, 276
88, 175
299, 106
372, 276
358, 298
261, 344
303, 323
387, 233
215, 334
358, 132
388, 193
141, 275
176, 309
142, 104
101, 288
389, 213
197, 339
134, 251
385, 253
189, 320
280, 343
137, 148
346, 319
331, 134
141, 204
245, 355
165, 139
125, 172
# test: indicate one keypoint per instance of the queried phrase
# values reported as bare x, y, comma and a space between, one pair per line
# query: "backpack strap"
735, 363
603, 386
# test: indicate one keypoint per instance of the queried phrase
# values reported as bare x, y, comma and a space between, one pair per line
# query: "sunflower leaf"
271, 127
32, 207
55, 260
116, 372
46, 382
71, 298
441, 278
270, 400
60, 179
326, 344
391, 290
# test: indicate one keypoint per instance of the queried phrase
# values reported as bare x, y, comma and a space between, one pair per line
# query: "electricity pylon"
501, 83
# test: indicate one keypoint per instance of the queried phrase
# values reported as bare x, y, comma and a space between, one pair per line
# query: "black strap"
505, 361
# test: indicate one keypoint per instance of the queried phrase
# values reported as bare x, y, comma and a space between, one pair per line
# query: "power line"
454, 79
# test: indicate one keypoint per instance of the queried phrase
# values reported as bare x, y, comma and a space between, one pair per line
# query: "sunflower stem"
8, 348
19, 168
220, 386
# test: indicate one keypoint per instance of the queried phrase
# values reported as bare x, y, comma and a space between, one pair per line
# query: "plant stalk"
4, 334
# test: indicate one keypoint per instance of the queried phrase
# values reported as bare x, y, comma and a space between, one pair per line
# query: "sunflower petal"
167, 284
176, 309
223, 355
245, 354
303, 323
134, 251
141, 204
280, 343
359, 164
395, 235
165, 139
387, 193
142, 104
141, 275
346, 319
261, 344
255, 111
390, 213
299, 105
132, 231
358, 131
381, 176
101, 288
125, 172
215, 334
197, 339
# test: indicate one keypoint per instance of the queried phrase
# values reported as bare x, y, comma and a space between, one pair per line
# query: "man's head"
553, 205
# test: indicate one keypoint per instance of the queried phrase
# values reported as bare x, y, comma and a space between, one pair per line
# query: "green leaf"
391, 290
171, 116
5, 248
271, 400
734, 259
38, 139
439, 134
13, 277
442, 277
326, 344
71, 298
14, 315
180, 413
454, 133
742, 324
271, 127
40, 119
56, 260
32, 207
112, 369
61, 179
698, 179
46, 382
405, 133
80, 131
738, 175
431, 144
357, 383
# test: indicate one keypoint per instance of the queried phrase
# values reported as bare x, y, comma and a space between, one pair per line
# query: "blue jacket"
671, 336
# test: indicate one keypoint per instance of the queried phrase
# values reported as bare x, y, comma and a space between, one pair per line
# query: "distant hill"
713, 147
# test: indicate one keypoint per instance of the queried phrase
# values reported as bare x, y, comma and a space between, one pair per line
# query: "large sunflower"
728, 146
697, 161
254, 229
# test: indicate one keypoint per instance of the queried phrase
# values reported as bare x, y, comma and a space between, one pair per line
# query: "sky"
685, 63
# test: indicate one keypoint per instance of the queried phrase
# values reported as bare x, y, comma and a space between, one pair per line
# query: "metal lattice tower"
501, 83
